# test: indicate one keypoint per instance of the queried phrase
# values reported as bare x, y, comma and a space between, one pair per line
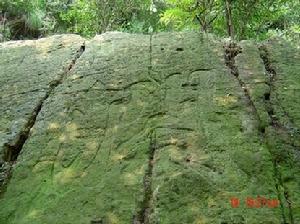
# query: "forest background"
238, 19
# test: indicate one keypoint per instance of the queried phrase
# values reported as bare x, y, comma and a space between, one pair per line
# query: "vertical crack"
144, 210
13, 148
150, 57
278, 186
143, 215
231, 51
264, 55
275, 123
270, 94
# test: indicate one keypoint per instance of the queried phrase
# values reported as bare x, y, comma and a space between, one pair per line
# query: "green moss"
89, 156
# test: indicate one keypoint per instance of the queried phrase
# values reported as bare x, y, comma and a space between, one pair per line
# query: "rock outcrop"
163, 128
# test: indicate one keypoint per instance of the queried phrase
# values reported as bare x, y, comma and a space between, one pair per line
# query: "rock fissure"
143, 215
13, 148
270, 94
231, 51
275, 123
270, 82
144, 209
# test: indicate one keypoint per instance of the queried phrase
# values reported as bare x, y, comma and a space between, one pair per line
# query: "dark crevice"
275, 123
272, 75
145, 208
175, 128
172, 74
231, 51
157, 114
262, 130
264, 54
189, 85
13, 148
267, 96
150, 57
135, 83
77, 56
188, 99
278, 184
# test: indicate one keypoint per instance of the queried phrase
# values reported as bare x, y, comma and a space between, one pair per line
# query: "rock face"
167, 128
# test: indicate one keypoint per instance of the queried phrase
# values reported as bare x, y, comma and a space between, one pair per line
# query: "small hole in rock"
179, 49
267, 96
162, 49
97, 221
271, 112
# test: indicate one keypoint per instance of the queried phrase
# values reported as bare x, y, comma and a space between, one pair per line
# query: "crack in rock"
231, 51
12, 149
143, 215
275, 123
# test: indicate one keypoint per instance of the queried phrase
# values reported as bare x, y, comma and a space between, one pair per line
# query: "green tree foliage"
22, 17
241, 19
98, 16
250, 19
34, 18
79, 17
190, 14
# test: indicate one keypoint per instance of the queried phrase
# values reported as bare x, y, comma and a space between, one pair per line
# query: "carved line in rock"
231, 51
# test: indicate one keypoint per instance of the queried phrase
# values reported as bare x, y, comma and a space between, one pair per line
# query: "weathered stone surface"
283, 65
90, 139
211, 149
270, 74
155, 129
28, 69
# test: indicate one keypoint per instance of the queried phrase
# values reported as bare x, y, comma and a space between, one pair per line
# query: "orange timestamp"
258, 202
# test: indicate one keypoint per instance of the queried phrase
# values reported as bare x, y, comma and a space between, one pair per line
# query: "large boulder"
163, 128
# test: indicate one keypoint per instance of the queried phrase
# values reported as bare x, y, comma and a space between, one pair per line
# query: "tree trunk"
229, 18
3, 20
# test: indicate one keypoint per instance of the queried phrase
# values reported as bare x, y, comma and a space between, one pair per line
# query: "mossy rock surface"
149, 129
